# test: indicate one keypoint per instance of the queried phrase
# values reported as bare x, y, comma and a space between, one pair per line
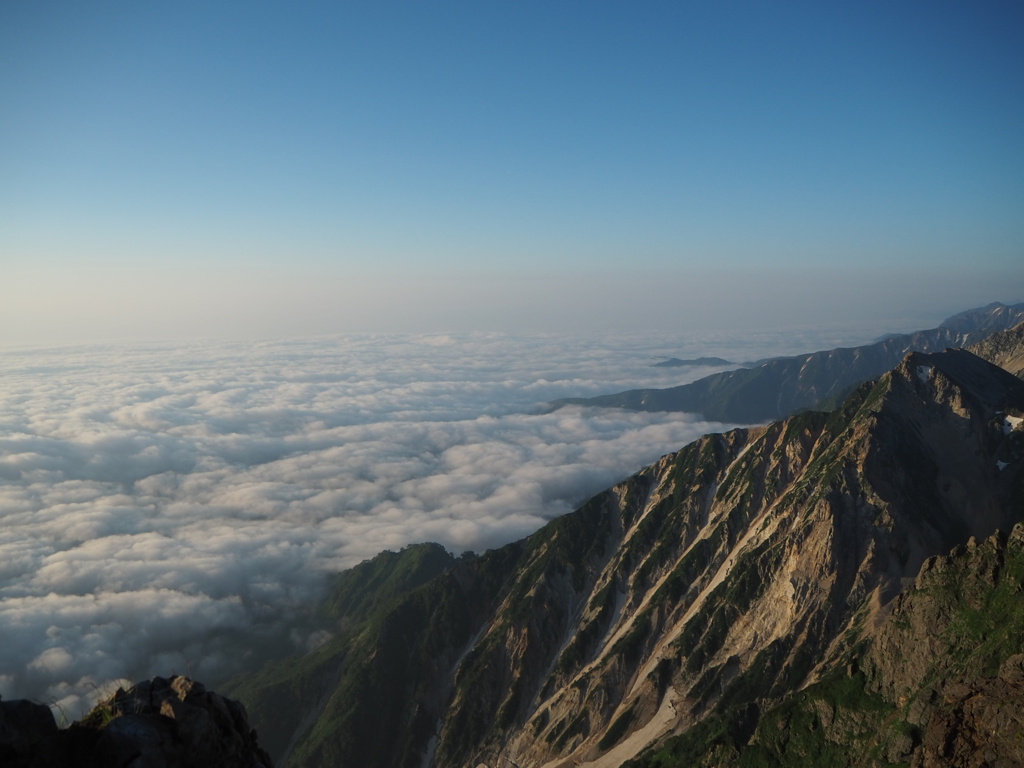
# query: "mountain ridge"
778, 387
720, 579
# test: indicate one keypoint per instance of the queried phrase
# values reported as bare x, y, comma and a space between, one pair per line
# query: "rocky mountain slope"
1005, 349
682, 611
940, 682
779, 387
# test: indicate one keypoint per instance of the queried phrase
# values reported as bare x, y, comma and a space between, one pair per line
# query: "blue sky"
197, 169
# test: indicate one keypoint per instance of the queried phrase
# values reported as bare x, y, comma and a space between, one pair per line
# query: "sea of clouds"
175, 508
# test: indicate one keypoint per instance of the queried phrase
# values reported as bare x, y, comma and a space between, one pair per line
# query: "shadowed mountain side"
707, 588
289, 696
782, 386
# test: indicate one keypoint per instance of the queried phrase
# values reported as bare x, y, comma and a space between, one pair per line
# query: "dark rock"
27, 734
159, 723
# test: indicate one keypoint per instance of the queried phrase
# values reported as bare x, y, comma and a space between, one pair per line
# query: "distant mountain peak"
996, 313
779, 387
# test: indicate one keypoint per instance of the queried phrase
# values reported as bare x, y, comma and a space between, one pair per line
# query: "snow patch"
924, 372
428, 756
1002, 465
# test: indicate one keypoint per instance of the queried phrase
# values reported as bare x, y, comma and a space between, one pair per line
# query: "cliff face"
679, 608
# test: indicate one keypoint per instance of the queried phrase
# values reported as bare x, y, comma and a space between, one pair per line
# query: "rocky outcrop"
681, 606
161, 723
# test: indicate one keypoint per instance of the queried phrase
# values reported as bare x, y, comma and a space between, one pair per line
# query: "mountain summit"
692, 612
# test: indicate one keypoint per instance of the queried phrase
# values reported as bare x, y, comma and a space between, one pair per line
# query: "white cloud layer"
164, 506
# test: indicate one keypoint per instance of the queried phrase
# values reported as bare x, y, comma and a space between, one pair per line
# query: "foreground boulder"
159, 723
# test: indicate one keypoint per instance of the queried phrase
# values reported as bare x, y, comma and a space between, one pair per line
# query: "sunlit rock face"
1005, 349
691, 599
